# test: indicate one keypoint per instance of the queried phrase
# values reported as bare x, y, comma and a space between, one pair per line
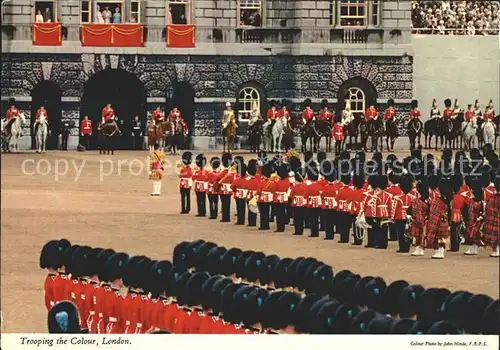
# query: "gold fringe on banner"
37, 27
113, 29
180, 33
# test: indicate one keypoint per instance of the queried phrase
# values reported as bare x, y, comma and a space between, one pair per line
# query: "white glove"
291, 173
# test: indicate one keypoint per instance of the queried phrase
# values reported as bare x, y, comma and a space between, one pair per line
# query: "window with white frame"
357, 98
179, 12
353, 13
45, 11
250, 13
110, 11
248, 98
375, 13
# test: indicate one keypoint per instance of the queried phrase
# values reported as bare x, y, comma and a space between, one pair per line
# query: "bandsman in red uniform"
281, 193
113, 319
491, 226
213, 190
265, 196
131, 306
224, 183
86, 131
469, 114
328, 200
200, 183
308, 114
252, 185
298, 201
369, 208
418, 213
158, 116
78, 271
400, 204
438, 224
448, 112
383, 202
475, 218
284, 111
371, 113
313, 194
356, 200
325, 113
240, 192
415, 112
96, 262
108, 113
186, 181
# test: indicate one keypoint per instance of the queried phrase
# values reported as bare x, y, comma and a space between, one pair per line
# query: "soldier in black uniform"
137, 133
64, 136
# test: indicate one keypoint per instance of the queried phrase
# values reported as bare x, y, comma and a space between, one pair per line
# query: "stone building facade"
300, 52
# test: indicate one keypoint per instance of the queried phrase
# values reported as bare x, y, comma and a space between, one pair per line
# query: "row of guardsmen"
209, 289
334, 199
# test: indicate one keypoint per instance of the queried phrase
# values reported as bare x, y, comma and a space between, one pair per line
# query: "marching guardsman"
371, 113
308, 114
418, 213
265, 196
457, 204
86, 131
158, 116
240, 192
65, 131
186, 181
213, 190
347, 116
224, 183
390, 112
383, 202
357, 198
343, 198
438, 224
252, 186
448, 112
435, 112
200, 182
284, 111
400, 204
52, 259
137, 133
491, 228
328, 199
475, 218
477, 109
41, 114
415, 112
469, 114
107, 113
299, 200
338, 135
313, 194
456, 108
156, 163
325, 114
12, 112
281, 192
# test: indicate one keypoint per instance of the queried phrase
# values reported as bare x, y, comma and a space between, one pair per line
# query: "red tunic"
264, 192
469, 115
415, 113
272, 114
94, 295
370, 204
169, 315
130, 309
186, 177
252, 185
344, 195
86, 303
390, 113
447, 113
281, 190
212, 179
101, 297
491, 228
420, 213
384, 204
298, 195
284, 113
200, 183
394, 190
50, 293
357, 197
225, 181
157, 115
433, 194
308, 114
114, 304
155, 309
313, 193
77, 293
107, 113
326, 115
437, 224
489, 192
370, 114
12, 113
86, 127
488, 116
39, 113
400, 204
62, 288
181, 321
328, 196
338, 132
239, 187
473, 228
209, 324
457, 203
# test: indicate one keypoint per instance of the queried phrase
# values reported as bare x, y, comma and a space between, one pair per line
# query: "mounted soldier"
391, 128
229, 127
415, 125
348, 123
157, 116
308, 114
108, 113
255, 129
173, 115
477, 109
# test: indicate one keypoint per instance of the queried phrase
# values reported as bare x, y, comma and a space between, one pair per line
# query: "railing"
455, 31
269, 35
350, 35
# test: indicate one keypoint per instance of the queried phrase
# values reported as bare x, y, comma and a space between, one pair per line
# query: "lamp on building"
1, 8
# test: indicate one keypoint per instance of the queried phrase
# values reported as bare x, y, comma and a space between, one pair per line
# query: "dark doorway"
126, 94
48, 94
369, 92
183, 99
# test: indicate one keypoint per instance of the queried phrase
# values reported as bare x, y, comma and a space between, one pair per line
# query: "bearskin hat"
295, 163
325, 316
201, 161
497, 183
409, 300
272, 103
360, 322
402, 326
380, 325
215, 162
324, 103
446, 188
443, 327
447, 103
307, 102
252, 167
491, 322
267, 268
253, 311
199, 258
51, 255
423, 188
390, 102
312, 171
226, 159
414, 104
392, 293
475, 310
187, 158
302, 312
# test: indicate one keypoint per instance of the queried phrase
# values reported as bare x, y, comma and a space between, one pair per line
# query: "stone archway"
183, 98
48, 94
362, 86
126, 94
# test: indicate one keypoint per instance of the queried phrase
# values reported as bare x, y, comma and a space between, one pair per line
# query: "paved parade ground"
104, 201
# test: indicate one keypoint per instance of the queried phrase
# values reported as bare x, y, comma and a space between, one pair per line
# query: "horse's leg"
387, 143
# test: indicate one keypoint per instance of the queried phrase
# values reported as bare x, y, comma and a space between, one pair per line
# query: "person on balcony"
39, 17
47, 15
169, 15
98, 16
106, 14
117, 16
183, 19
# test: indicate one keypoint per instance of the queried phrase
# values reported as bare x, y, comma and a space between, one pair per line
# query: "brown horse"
156, 135
107, 132
229, 135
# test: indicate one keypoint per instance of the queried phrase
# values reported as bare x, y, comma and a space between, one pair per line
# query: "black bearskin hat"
272, 103
324, 103
423, 188
446, 188
227, 160
187, 158
252, 167
390, 102
12, 101
406, 183
201, 160
64, 318
307, 102
447, 103
414, 104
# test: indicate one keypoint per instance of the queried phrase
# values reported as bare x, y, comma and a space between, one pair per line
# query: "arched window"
247, 98
357, 98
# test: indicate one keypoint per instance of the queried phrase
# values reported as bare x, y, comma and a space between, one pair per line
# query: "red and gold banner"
117, 35
181, 35
46, 34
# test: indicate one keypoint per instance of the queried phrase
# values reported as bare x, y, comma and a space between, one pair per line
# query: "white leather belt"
112, 319
100, 314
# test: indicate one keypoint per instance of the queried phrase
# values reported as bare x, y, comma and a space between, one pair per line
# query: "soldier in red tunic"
265, 196
42, 113
86, 131
418, 213
313, 193
158, 116
200, 183
415, 112
325, 114
298, 201
383, 204
368, 209
371, 113
469, 114
390, 112
281, 192
108, 113
213, 191
343, 198
308, 114
12, 112
400, 204
78, 270
284, 111
491, 228
356, 200
438, 223
252, 185
112, 316
51, 258
448, 112
338, 135
224, 183
328, 199
186, 182
240, 192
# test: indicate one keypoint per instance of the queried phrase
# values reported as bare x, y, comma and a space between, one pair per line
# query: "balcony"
269, 35
356, 35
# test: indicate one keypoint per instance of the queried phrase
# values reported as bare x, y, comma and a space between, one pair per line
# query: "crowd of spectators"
466, 17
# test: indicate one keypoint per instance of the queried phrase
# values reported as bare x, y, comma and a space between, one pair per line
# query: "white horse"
42, 129
14, 132
266, 141
278, 131
489, 132
469, 131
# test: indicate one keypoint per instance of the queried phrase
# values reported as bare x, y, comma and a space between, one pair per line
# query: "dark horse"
375, 129
107, 132
415, 127
448, 132
363, 131
255, 132
391, 133
314, 131
456, 141
432, 127
479, 133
